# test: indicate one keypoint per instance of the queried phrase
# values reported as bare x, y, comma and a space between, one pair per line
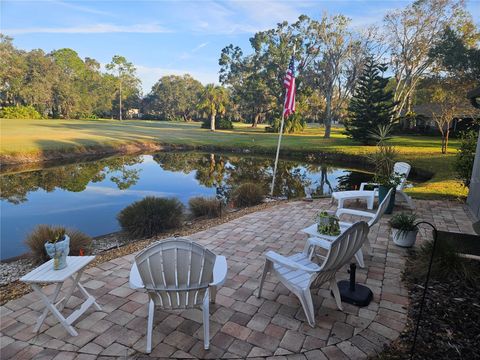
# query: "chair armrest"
284, 261
135, 280
363, 184
343, 211
219, 271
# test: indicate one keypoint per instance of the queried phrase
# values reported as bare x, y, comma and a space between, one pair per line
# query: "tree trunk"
447, 134
212, 121
255, 120
328, 118
443, 144
120, 102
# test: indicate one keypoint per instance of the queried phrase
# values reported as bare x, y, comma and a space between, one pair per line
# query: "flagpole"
279, 139
278, 150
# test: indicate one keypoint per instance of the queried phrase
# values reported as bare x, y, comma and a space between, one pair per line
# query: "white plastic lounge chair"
325, 241
178, 274
299, 274
401, 168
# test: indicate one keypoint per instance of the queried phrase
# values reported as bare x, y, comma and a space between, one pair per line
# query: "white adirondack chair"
178, 274
325, 242
299, 274
400, 168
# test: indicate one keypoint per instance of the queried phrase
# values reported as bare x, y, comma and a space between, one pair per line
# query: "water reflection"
88, 195
74, 177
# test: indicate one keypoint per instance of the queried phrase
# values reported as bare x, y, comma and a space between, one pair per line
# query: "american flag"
289, 83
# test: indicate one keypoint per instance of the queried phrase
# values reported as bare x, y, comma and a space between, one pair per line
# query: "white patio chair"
299, 274
400, 168
325, 242
178, 274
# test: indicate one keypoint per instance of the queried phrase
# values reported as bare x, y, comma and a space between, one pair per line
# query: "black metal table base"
353, 293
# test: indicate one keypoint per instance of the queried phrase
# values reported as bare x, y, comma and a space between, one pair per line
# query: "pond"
88, 195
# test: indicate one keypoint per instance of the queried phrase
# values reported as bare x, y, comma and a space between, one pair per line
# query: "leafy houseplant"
404, 229
328, 223
58, 248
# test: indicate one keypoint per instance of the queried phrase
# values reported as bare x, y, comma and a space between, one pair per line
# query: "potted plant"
58, 248
328, 223
384, 160
385, 183
404, 229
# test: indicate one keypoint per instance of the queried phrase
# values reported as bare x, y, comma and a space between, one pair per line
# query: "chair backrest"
176, 272
345, 246
402, 169
381, 209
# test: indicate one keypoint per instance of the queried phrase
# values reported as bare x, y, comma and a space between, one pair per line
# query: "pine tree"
371, 105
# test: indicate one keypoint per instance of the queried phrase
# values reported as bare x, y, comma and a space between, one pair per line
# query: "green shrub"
248, 194
150, 216
466, 156
19, 112
208, 207
292, 124
220, 123
44, 233
86, 116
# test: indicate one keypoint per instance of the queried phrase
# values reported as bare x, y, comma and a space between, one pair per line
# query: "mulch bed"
17, 289
450, 325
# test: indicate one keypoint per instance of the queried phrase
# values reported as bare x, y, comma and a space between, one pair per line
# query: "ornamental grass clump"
80, 243
204, 206
247, 194
404, 222
150, 216
447, 264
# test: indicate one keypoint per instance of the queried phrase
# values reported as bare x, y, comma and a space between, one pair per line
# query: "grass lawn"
30, 137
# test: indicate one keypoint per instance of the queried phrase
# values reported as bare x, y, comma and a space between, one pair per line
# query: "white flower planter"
405, 238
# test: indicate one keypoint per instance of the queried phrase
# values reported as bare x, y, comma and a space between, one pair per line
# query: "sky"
168, 37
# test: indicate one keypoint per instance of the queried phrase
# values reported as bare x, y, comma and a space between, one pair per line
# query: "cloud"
81, 8
189, 54
202, 45
150, 75
91, 29
230, 18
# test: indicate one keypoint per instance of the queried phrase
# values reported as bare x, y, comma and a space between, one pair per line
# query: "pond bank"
10, 163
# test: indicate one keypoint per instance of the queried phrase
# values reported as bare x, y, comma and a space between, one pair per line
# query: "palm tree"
213, 101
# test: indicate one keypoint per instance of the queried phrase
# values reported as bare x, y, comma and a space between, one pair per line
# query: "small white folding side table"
324, 241
46, 274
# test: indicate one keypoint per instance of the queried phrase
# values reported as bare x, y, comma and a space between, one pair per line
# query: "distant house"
133, 113
424, 117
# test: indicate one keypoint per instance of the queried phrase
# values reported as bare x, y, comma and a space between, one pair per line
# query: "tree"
67, 87
39, 81
411, 34
457, 52
213, 101
444, 119
127, 80
174, 97
244, 75
337, 64
371, 104
257, 80
12, 72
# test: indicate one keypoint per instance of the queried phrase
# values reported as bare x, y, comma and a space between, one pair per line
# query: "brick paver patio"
241, 325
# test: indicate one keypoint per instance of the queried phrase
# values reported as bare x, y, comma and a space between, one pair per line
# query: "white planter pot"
404, 239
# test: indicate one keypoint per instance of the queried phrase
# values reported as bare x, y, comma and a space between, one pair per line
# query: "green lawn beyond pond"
31, 138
